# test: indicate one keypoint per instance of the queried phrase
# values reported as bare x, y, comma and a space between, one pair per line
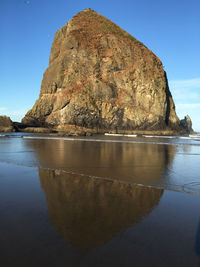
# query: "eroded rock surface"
187, 124
6, 125
101, 77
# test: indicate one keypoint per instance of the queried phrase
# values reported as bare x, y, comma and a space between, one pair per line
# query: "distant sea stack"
187, 124
102, 78
6, 125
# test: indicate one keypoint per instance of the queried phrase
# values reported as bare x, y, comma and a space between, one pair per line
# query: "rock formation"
6, 125
101, 77
187, 124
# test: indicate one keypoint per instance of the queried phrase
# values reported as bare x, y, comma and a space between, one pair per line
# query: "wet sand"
51, 218
77, 204
164, 163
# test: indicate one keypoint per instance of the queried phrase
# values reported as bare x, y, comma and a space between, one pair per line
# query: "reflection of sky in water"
14, 150
166, 166
184, 170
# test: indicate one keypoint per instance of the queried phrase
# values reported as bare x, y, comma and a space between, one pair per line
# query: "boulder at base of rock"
6, 125
102, 78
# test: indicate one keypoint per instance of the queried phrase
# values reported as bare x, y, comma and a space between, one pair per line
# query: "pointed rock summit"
102, 78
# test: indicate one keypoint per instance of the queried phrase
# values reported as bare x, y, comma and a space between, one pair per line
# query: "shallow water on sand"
99, 203
166, 163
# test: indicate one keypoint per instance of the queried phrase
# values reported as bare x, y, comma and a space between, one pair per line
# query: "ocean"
105, 200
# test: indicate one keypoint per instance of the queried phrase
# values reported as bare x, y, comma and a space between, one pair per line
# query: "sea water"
163, 162
99, 201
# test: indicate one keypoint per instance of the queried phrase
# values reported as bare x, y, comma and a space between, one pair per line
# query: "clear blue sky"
171, 29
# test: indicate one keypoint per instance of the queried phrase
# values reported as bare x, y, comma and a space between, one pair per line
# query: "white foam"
133, 141
135, 135
194, 135
110, 134
161, 136
190, 138
130, 135
127, 135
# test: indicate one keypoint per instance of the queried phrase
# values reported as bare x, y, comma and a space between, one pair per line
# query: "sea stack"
187, 124
6, 125
102, 78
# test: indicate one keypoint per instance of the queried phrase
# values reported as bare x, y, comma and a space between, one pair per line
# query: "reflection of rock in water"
137, 163
88, 211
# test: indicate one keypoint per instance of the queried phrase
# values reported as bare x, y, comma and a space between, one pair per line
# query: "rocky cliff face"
187, 124
6, 125
101, 77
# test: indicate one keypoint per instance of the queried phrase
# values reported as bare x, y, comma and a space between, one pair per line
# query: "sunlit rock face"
88, 212
101, 77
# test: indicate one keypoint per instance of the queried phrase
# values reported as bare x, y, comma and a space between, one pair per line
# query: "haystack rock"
100, 77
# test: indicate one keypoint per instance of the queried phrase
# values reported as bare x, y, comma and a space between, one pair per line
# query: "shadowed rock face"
101, 77
88, 212
6, 125
187, 124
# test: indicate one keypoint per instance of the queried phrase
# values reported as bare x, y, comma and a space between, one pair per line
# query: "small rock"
6, 125
187, 124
